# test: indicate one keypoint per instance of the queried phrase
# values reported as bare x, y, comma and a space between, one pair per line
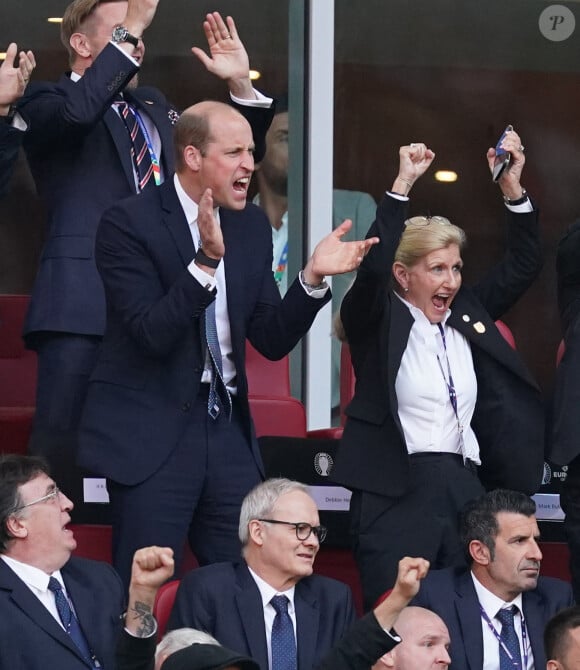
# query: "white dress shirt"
37, 581
425, 411
491, 605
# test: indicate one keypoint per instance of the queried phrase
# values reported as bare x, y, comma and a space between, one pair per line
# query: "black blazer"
508, 419
223, 600
30, 637
451, 594
151, 362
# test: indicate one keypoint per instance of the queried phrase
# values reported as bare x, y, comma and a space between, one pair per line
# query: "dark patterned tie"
283, 640
69, 620
139, 150
219, 396
510, 639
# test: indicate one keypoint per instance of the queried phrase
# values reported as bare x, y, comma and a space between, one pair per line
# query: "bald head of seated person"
499, 605
562, 640
424, 642
271, 598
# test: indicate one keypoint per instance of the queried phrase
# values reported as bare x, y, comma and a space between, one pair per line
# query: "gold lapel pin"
479, 327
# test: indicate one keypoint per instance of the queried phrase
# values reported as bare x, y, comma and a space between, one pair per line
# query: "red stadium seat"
17, 376
164, 604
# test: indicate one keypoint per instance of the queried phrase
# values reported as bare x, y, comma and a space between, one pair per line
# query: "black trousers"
65, 363
422, 522
570, 503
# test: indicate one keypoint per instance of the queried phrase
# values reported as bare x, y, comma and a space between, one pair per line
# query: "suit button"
186, 407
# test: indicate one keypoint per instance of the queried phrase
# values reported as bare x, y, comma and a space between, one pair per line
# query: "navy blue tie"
283, 640
69, 620
510, 639
219, 396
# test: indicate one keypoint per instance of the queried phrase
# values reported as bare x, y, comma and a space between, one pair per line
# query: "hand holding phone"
502, 157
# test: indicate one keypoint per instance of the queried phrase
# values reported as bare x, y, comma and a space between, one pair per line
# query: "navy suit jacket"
508, 419
10, 141
451, 594
150, 367
30, 637
79, 154
224, 600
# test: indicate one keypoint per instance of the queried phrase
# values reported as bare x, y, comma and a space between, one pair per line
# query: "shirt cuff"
398, 196
118, 46
205, 279
316, 292
260, 101
524, 208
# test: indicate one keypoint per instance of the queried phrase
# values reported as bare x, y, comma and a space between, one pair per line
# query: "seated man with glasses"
56, 611
269, 605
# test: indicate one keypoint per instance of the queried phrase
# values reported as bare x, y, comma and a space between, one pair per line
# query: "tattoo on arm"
142, 612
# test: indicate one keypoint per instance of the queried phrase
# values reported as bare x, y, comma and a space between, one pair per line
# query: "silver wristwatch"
121, 34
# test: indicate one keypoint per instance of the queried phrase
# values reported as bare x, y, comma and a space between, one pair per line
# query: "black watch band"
518, 201
206, 260
10, 116
121, 34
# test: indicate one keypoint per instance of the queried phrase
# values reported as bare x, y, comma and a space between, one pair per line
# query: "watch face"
119, 34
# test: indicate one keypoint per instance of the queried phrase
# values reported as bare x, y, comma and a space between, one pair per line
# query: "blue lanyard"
493, 629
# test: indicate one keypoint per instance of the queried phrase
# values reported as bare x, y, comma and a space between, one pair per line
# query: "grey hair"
260, 502
180, 638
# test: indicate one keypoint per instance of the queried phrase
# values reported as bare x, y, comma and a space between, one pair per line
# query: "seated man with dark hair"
60, 612
562, 640
500, 604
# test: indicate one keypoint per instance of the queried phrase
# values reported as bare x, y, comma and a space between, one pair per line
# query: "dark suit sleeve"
259, 119
10, 141
135, 653
506, 282
60, 115
364, 304
155, 318
360, 648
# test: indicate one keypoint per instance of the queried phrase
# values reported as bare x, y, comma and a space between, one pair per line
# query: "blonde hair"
424, 234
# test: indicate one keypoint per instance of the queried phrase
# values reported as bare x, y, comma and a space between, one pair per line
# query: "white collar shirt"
491, 604
37, 581
424, 407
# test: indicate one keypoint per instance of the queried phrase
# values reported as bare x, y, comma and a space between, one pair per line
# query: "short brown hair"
191, 129
75, 18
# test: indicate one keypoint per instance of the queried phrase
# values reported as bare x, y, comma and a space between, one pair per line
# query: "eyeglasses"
303, 529
49, 496
426, 220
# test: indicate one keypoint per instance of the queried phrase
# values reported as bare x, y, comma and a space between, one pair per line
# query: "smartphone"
503, 158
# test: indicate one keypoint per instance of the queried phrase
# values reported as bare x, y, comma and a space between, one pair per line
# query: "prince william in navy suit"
187, 270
